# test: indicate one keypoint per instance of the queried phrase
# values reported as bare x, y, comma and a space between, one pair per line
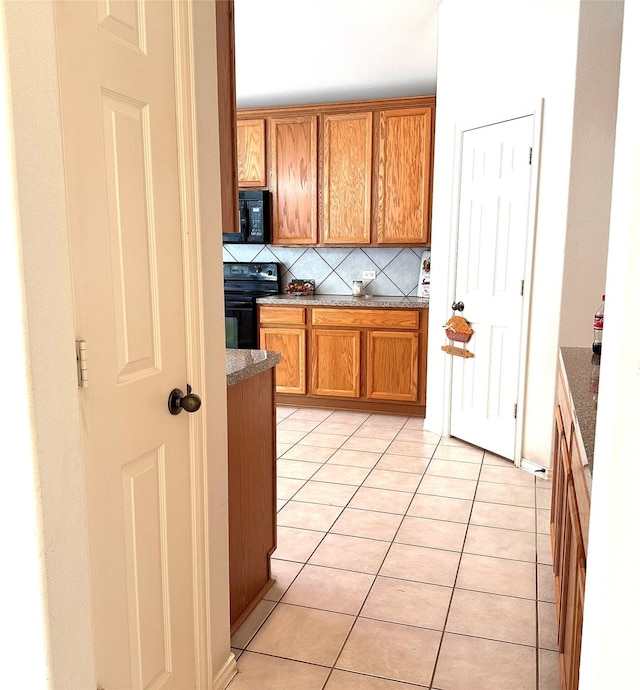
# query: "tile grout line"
377, 574
455, 580
314, 550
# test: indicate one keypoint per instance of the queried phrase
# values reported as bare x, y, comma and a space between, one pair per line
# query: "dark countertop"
347, 301
243, 364
577, 366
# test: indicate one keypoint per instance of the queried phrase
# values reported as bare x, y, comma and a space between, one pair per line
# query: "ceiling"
307, 51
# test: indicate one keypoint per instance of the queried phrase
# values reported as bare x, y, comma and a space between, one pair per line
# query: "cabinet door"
392, 365
346, 178
404, 176
570, 628
252, 153
291, 344
335, 363
293, 172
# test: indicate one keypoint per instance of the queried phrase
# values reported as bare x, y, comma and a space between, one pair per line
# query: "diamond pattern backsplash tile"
335, 268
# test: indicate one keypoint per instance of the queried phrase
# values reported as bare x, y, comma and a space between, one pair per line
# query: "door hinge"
515, 410
522, 288
81, 361
530, 155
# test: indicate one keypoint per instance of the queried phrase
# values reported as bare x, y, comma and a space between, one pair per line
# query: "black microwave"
255, 215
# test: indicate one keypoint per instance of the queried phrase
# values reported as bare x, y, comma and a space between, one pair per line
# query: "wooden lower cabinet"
252, 492
392, 365
335, 363
365, 358
569, 528
291, 374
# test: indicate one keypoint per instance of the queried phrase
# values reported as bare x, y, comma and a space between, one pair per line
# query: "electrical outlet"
368, 275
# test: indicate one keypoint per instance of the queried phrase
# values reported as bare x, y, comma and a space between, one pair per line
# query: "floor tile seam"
500, 558
502, 503
510, 484
375, 467
288, 658
455, 579
492, 639
510, 529
373, 675
404, 579
346, 570
377, 574
422, 546
457, 498
396, 622
496, 594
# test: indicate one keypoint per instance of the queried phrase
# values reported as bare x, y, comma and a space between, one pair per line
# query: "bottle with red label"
598, 324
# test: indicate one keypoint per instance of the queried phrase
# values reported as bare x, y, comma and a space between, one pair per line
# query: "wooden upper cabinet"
252, 153
342, 174
404, 171
293, 173
346, 178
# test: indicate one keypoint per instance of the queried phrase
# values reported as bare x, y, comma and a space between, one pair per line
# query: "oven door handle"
234, 303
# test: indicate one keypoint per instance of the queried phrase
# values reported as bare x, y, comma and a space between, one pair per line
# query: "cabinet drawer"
290, 316
367, 318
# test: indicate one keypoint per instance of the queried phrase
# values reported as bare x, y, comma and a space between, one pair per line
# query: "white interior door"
121, 166
490, 273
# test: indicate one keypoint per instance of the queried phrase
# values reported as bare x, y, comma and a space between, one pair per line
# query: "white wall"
612, 600
49, 344
291, 52
496, 59
594, 127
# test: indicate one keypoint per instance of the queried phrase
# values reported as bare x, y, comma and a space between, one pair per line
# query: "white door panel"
492, 244
121, 166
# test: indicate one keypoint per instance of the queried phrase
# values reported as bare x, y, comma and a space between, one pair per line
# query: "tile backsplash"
335, 268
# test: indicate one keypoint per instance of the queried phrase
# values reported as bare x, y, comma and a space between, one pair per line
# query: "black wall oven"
243, 283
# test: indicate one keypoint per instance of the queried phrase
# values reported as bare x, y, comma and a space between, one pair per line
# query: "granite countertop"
348, 301
243, 364
577, 366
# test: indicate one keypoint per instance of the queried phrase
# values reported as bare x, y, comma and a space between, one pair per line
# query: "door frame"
486, 119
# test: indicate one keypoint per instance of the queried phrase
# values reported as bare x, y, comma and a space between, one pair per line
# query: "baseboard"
534, 468
225, 674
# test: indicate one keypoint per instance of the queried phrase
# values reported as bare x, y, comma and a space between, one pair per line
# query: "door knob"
458, 306
178, 401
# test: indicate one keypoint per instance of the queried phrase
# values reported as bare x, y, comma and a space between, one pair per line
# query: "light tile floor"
404, 560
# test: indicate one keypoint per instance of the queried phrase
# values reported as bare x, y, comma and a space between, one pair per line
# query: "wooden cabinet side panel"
404, 176
293, 173
252, 494
291, 344
346, 178
392, 365
252, 153
335, 363
225, 48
